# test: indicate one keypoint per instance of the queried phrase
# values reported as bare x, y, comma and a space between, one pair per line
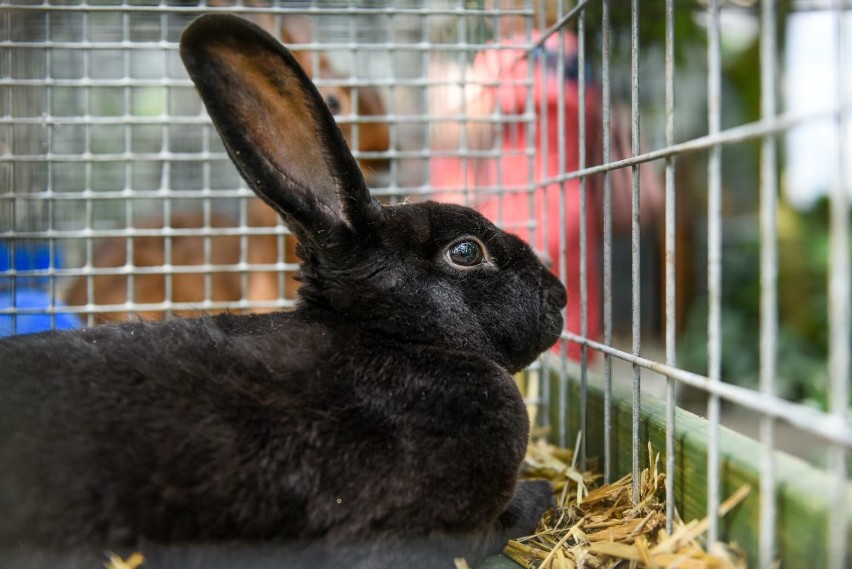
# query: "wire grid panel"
642, 44
550, 117
119, 199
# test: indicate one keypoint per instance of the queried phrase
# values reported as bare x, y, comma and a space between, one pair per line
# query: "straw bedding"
600, 526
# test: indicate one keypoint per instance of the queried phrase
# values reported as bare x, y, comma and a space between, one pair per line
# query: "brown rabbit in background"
189, 250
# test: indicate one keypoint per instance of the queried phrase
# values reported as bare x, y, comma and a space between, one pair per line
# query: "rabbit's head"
425, 273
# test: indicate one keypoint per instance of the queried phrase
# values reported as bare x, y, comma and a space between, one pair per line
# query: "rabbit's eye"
466, 253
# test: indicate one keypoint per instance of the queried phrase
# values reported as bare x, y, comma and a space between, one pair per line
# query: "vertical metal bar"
584, 293
548, 217
538, 64
425, 64
671, 285
768, 282
280, 259
529, 129
464, 148
354, 113
6, 112
542, 377
393, 123
206, 204
244, 247
88, 193
839, 307
13, 203
87, 145
167, 205
607, 236
537, 58
562, 167
499, 132
128, 165
129, 243
714, 264
635, 257
7, 198
206, 213
49, 189
206, 217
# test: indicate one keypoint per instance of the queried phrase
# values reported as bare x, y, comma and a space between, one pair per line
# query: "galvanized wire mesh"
104, 144
831, 427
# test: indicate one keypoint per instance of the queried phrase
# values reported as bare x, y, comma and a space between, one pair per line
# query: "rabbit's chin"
552, 303
551, 329
550, 326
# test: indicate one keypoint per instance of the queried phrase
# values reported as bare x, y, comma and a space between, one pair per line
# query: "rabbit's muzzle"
554, 297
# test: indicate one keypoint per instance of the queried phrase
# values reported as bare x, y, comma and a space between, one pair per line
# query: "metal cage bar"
768, 281
839, 304
714, 263
635, 259
584, 210
671, 284
563, 221
606, 103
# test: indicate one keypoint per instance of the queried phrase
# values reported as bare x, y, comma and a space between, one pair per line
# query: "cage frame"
578, 390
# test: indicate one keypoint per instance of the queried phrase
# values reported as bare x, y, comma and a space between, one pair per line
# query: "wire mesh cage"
682, 166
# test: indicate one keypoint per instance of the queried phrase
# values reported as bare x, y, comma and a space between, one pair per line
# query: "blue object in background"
33, 322
28, 291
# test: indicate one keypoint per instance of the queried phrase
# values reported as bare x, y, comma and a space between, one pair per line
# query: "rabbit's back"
266, 426
118, 432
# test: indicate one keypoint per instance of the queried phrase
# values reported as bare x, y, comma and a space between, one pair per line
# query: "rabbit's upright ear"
276, 127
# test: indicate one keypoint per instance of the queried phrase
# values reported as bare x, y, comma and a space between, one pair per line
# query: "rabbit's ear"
275, 125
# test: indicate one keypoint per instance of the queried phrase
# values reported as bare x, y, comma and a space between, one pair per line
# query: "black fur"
377, 422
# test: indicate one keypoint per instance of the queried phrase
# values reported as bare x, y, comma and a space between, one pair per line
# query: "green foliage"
801, 372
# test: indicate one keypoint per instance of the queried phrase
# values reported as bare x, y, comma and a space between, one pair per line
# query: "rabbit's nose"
553, 288
550, 284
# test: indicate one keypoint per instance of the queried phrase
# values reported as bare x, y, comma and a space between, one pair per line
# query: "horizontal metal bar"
84, 82
154, 307
206, 156
174, 194
164, 269
163, 45
116, 157
108, 195
114, 120
138, 82
243, 9
136, 233
203, 119
829, 427
132, 232
743, 133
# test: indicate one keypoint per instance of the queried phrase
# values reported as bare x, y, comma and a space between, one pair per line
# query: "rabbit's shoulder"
428, 377
446, 403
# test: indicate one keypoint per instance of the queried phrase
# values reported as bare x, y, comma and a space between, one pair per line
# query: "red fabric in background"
511, 170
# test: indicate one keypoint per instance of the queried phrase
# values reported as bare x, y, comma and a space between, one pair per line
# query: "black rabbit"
381, 411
